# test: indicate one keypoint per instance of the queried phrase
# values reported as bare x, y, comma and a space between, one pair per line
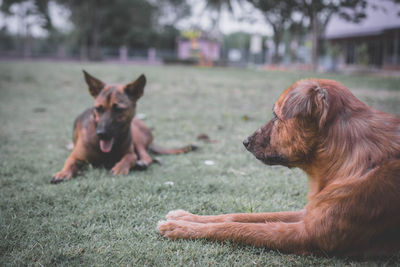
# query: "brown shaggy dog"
351, 154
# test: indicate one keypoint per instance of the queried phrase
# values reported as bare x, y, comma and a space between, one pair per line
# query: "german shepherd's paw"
61, 176
119, 169
142, 165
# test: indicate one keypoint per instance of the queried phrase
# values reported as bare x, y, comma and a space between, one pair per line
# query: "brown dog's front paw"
60, 177
179, 229
180, 215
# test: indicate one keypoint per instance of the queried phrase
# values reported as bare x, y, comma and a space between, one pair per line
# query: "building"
199, 48
378, 35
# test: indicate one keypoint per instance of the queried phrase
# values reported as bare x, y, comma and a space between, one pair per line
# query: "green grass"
97, 219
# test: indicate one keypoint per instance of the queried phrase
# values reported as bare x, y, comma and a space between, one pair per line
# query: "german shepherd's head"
114, 108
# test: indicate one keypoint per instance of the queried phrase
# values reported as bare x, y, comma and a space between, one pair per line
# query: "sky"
244, 18
378, 18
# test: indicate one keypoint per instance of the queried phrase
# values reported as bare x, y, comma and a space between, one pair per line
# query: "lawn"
98, 219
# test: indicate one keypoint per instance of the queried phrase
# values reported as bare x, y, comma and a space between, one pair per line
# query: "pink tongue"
106, 145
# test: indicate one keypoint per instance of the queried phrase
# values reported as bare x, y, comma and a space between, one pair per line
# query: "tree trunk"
315, 40
83, 51
27, 43
291, 47
277, 41
94, 46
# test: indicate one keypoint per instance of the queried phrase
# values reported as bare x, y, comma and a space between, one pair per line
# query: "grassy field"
97, 219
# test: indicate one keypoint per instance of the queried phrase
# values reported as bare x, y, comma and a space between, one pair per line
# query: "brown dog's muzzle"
259, 144
246, 142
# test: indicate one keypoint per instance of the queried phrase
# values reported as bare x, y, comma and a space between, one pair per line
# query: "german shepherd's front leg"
141, 138
70, 169
285, 216
286, 237
125, 164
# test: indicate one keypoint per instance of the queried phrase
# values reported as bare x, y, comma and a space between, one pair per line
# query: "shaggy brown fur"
351, 154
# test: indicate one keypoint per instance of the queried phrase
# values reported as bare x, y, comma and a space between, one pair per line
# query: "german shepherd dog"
108, 134
351, 155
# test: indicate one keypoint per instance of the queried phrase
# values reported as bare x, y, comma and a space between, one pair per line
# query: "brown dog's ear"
95, 85
135, 89
308, 102
320, 105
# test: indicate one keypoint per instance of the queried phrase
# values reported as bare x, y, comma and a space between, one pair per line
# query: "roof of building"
381, 15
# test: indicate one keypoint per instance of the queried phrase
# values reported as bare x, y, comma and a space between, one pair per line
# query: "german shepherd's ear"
135, 89
95, 85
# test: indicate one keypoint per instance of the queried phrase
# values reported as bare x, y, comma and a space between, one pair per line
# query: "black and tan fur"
108, 134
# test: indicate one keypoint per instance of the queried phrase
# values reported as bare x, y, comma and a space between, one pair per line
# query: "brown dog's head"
114, 108
301, 117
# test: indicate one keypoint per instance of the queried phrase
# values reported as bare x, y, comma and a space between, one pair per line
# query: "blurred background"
244, 53
322, 35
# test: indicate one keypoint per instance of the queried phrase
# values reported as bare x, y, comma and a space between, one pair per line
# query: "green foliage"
133, 23
362, 56
166, 37
100, 220
238, 40
313, 13
334, 50
111, 24
219, 4
127, 22
38, 8
7, 41
279, 14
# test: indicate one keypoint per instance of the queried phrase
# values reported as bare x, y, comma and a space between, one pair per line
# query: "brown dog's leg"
125, 164
286, 237
286, 216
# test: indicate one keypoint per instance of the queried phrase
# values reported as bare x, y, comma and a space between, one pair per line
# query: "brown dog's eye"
99, 109
118, 109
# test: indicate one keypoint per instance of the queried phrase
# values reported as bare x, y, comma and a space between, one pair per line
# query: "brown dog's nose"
246, 142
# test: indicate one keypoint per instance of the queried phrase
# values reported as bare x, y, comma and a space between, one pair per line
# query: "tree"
319, 12
127, 22
237, 40
39, 8
28, 14
218, 6
279, 14
7, 41
120, 22
295, 34
88, 20
169, 12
